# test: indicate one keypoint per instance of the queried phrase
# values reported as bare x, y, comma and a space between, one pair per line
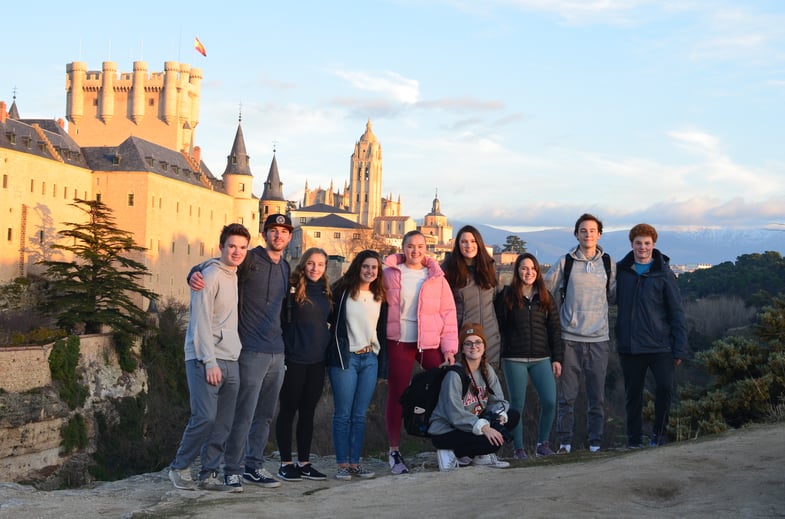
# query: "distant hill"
711, 246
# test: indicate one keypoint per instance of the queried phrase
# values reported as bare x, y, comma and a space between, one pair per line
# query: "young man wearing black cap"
263, 279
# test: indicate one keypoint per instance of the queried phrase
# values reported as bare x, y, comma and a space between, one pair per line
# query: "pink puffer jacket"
437, 325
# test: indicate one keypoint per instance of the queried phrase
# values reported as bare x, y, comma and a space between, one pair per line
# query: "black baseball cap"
278, 220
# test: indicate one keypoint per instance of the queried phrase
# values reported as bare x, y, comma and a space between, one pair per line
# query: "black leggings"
300, 392
469, 444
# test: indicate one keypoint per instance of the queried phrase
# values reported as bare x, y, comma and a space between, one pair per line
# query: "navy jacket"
651, 316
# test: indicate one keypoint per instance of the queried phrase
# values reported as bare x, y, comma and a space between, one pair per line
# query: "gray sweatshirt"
212, 328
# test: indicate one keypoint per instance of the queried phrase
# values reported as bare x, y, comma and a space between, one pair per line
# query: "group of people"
261, 337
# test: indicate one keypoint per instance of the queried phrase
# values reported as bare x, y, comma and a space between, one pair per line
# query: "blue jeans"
261, 376
352, 392
212, 412
591, 358
517, 376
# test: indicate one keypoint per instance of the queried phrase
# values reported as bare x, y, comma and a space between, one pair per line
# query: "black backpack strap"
606, 261
568, 261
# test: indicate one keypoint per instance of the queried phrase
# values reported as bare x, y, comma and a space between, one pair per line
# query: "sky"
521, 114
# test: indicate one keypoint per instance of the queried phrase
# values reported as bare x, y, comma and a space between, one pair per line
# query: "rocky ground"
737, 474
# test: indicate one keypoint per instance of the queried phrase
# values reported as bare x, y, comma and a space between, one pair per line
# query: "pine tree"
515, 244
99, 285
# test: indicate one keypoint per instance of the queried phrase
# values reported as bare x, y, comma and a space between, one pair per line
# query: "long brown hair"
298, 279
457, 273
351, 280
514, 296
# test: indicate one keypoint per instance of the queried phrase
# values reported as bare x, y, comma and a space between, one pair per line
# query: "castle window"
11, 137
32, 185
367, 173
116, 159
150, 161
358, 197
172, 247
164, 166
27, 141
98, 197
95, 102
54, 190
188, 250
40, 236
10, 234
241, 220
130, 199
43, 188
366, 197
337, 235
5, 181
176, 170
242, 187
65, 193
303, 220
41, 146
317, 234
151, 102
234, 159
356, 236
201, 249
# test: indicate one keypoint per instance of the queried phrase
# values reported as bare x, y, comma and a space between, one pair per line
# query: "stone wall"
23, 368
30, 421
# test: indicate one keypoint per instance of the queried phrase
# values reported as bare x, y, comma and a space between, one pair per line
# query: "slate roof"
136, 154
333, 220
238, 161
21, 135
323, 208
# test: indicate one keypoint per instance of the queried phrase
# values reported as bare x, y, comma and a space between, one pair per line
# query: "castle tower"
103, 109
272, 200
365, 178
237, 177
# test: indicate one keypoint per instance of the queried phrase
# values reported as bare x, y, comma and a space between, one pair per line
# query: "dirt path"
738, 474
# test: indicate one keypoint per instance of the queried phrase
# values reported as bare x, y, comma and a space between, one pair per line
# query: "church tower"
365, 184
272, 201
435, 224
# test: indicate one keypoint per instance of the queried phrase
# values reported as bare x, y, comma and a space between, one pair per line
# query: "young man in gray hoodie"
591, 283
212, 347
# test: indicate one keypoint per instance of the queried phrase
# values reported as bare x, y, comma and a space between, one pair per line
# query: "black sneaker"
308, 472
289, 472
260, 477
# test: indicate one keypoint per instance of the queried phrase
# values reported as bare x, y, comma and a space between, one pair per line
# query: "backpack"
569, 260
420, 398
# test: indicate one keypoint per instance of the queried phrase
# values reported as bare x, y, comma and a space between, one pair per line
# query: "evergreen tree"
99, 285
514, 244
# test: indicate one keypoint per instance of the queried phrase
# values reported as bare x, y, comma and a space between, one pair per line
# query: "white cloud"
387, 83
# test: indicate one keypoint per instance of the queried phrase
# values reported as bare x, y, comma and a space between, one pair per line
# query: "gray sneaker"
210, 481
181, 478
361, 472
343, 474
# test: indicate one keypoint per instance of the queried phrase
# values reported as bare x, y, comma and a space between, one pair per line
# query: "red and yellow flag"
199, 47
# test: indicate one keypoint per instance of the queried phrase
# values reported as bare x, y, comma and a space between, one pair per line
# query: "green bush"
748, 379
62, 364
74, 434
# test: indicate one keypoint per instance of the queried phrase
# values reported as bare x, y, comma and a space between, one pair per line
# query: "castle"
130, 144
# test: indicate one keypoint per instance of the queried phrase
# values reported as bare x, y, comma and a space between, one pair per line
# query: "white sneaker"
447, 460
490, 460
594, 448
564, 448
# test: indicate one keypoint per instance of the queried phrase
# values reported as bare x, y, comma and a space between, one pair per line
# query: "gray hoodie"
212, 328
584, 312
